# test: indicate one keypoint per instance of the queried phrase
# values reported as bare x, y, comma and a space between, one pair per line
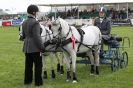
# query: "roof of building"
78, 2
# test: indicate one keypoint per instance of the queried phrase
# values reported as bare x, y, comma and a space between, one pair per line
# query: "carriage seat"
114, 41
117, 38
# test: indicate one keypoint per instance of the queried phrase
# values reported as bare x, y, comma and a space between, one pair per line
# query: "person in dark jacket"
32, 47
103, 23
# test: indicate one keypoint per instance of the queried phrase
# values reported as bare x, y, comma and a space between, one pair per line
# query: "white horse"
73, 43
48, 36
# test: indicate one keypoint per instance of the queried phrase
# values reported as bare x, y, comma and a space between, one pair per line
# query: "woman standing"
104, 24
32, 47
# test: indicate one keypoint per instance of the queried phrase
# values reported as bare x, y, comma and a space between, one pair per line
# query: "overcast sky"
17, 5
21, 5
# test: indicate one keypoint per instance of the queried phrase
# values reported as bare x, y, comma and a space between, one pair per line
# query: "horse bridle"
61, 39
59, 33
47, 34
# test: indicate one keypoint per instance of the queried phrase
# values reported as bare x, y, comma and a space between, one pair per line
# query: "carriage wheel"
115, 62
124, 61
115, 65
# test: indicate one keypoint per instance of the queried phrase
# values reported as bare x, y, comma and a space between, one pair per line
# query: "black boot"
58, 67
74, 78
92, 69
62, 70
97, 70
45, 75
68, 76
53, 74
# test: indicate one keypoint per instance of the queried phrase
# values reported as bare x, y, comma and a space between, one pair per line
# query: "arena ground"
12, 66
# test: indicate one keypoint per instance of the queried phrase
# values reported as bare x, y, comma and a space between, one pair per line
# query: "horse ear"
59, 17
56, 21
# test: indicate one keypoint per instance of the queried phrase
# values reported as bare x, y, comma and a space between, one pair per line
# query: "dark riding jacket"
104, 26
31, 32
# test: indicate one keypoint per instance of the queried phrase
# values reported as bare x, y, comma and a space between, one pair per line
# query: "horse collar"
68, 31
60, 28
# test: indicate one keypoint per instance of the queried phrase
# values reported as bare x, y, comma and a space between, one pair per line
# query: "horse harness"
50, 41
63, 41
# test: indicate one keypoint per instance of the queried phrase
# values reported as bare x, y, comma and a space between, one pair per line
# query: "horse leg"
91, 57
60, 63
96, 55
52, 66
68, 61
44, 67
73, 54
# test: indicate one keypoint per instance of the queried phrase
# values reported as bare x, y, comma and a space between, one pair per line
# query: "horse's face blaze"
55, 26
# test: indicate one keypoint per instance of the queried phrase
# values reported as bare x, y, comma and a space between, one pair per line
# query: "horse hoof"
53, 77
45, 75
67, 80
61, 74
91, 74
62, 70
58, 67
53, 74
75, 81
97, 75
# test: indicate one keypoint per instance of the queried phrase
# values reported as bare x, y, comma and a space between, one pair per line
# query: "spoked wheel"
124, 61
115, 65
115, 62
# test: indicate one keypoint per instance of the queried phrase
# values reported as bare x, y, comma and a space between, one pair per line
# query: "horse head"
46, 33
55, 27
59, 27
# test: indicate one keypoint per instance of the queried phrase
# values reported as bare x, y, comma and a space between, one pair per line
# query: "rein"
62, 41
47, 34
50, 41
59, 32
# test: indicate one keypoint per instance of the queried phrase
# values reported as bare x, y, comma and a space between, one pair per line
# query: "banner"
0, 23
17, 22
122, 22
6, 23
131, 21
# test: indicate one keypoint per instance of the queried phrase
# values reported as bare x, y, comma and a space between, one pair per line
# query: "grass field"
12, 66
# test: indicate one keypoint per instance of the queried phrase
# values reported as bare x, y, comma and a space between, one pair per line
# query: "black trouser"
31, 58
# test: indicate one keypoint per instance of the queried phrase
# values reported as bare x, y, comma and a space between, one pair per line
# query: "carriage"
70, 40
113, 54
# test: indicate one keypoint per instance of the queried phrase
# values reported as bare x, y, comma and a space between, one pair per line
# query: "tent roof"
78, 2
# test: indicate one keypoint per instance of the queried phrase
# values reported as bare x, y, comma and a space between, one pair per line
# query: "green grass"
12, 66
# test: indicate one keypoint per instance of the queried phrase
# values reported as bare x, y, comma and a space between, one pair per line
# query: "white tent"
77, 2
56, 3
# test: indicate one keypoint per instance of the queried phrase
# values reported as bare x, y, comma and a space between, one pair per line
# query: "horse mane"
63, 23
